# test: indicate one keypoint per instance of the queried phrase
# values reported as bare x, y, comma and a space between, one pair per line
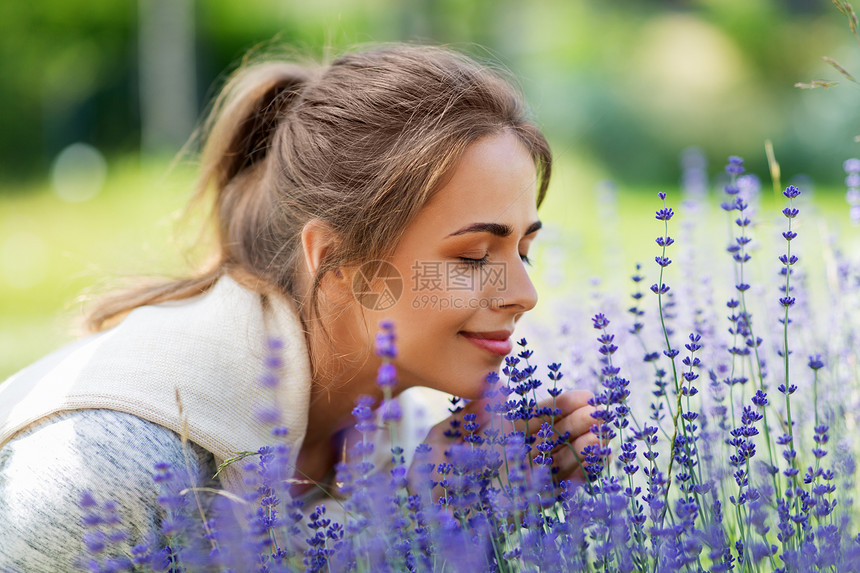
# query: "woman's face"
463, 267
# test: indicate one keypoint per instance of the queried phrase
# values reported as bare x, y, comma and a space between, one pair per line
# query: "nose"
519, 293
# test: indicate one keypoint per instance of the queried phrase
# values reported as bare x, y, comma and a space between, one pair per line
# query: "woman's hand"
574, 417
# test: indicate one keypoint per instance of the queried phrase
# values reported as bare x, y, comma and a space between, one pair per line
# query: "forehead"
494, 182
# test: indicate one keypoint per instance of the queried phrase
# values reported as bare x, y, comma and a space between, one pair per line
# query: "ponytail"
243, 118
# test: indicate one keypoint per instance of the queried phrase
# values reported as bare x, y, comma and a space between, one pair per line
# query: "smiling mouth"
498, 343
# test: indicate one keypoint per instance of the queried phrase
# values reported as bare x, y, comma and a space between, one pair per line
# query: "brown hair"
361, 145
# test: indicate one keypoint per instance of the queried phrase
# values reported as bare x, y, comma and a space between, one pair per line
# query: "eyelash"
474, 263
478, 263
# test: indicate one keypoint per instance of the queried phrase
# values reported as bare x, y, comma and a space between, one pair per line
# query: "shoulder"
45, 471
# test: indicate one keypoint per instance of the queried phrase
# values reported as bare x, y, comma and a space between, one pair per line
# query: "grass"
53, 252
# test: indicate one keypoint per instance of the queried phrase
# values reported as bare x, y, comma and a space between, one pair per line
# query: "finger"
577, 423
568, 457
443, 431
569, 401
566, 403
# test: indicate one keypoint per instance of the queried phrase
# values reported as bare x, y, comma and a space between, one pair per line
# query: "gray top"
45, 470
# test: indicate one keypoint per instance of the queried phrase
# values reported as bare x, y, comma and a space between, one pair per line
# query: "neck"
335, 388
332, 401
344, 367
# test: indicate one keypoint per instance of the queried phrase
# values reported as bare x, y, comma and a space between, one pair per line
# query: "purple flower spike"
386, 376
385, 346
735, 166
87, 500
391, 411
363, 413
815, 362
664, 214
791, 192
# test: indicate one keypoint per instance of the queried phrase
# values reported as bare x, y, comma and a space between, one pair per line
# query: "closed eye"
474, 263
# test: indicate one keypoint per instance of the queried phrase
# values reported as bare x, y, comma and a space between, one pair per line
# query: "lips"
497, 342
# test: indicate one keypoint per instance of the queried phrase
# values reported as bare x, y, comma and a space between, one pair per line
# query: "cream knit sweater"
209, 351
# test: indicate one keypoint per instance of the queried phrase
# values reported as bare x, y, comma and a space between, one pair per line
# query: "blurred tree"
624, 84
168, 80
67, 75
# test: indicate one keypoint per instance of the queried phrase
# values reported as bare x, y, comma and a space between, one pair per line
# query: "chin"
474, 395
467, 379
474, 388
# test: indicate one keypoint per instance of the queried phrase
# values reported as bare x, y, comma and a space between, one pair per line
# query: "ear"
318, 241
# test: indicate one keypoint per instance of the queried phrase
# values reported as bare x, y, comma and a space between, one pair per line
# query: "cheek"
442, 313
429, 329
436, 304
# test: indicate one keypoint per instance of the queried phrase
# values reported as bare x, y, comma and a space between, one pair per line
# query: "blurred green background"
99, 95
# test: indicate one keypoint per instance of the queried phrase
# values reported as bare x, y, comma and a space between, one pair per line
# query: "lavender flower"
852, 182
788, 260
707, 493
385, 340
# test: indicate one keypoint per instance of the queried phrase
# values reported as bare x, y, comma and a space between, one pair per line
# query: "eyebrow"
498, 229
